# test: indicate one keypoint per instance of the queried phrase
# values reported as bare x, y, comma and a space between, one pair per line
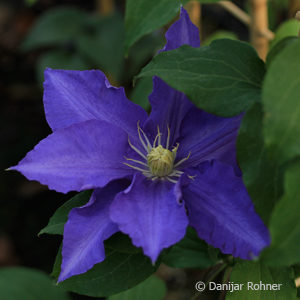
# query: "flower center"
158, 161
161, 161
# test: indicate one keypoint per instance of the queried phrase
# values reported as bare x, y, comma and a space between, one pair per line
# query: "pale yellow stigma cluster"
161, 161
158, 161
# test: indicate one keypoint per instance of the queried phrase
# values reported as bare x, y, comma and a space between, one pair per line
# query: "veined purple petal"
86, 229
208, 137
75, 96
182, 32
150, 213
83, 156
221, 211
168, 105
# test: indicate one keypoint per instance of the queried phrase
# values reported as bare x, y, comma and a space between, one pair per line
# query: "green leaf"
190, 252
286, 29
278, 48
151, 288
281, 92
60, 217
119, 241
82, 41
284, 224
118, 272
102, 44
28, 284
57, 263
144, 16
141, 92
248, 273
223, 78
56, 26
221, 34
122, 243
261, 175
142, 52
59, 59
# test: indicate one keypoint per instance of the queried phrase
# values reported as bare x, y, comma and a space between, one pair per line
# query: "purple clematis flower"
152, 175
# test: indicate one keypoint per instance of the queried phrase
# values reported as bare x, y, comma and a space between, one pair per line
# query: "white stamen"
154, 143
175, 175
136, 168
136, 161
158, 160
159, 136
171, 180
168, 139
182, 160
136, 150
140, 137
145, 137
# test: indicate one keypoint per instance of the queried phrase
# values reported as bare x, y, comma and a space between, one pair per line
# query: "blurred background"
80, 35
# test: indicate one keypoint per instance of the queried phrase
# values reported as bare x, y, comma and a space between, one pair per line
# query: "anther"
159, 161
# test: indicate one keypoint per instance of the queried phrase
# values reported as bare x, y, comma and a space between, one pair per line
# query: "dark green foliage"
151, 288
224, 78
190, 252
281, 103
18, 283
246, 272
117, 273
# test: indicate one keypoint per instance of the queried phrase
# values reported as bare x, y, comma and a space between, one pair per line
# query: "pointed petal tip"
62, 171
182, 32
229, 222
153, 261
149, 204
152, 254
183, 12
66, 273
62, 277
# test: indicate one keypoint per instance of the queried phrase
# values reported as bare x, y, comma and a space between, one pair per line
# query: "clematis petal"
221, 211
168, 105
206, 137
75, 96
83, 156
150, 213
86, 229
182, 32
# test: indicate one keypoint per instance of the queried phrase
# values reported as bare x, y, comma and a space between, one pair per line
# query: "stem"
297, 282
236, 11
259, 24
105, 7
297, 17
226, 278
294, 6
210, 278
216, 273
194, 10
243, 17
